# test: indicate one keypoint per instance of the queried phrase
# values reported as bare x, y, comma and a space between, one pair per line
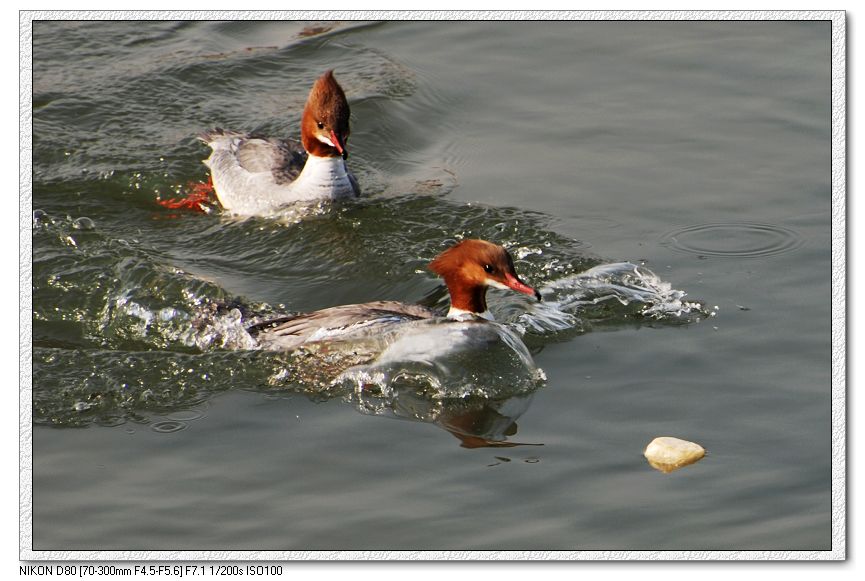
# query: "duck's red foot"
200, 197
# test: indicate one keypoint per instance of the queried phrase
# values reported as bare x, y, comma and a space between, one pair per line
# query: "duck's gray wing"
256, 154
293, 330
354, 185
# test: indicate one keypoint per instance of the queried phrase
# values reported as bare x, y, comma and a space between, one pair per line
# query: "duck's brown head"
324, 126
470, 266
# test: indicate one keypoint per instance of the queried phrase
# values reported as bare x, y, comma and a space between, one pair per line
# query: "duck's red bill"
339, 144
516, 284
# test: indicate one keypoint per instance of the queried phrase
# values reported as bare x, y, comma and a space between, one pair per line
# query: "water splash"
604, 293
447, 359
105, 298
115, 295
471, 379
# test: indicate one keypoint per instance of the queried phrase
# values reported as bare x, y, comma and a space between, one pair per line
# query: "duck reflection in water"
475, 422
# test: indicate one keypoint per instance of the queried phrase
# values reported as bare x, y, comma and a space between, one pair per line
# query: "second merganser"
254, 175
468, 268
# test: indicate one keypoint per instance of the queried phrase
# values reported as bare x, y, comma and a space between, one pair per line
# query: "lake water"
696, 151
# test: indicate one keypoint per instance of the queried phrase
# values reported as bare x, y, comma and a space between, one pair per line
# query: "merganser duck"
468, 268
254, 175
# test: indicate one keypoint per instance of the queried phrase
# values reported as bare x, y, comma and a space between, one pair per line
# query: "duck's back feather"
292, 331
253, 174
283, 158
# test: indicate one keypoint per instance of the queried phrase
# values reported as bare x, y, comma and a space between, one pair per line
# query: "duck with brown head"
255, 175
468, 269
324, 128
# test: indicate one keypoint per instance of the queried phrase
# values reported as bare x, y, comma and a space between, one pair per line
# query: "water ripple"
168, 426
733, 240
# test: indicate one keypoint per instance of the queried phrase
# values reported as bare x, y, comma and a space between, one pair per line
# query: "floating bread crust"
666, 453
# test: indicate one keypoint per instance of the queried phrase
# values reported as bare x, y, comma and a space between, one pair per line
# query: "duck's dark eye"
320, 124
488, 268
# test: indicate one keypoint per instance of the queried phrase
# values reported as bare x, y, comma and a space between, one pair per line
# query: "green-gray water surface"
699, 151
